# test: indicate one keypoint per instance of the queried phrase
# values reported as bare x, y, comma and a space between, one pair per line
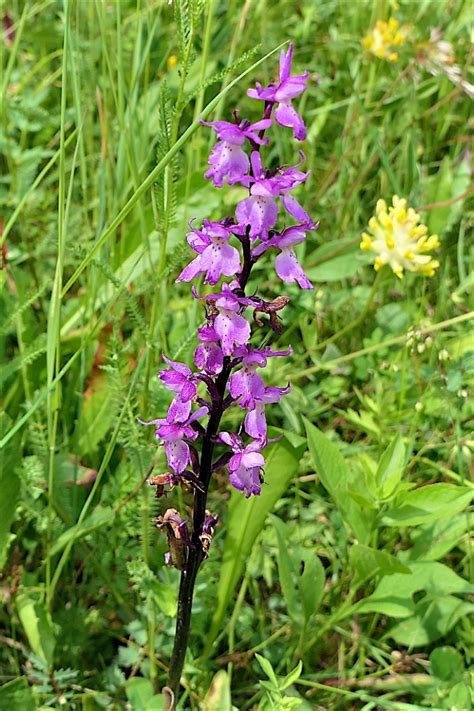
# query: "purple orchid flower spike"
226, 364
288, 88
246, 383
174, 434
245, 466
255, 422
286, 264
216, 257
228, 160
208, 355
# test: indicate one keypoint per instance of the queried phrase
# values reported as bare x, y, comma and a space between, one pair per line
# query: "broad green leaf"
440, 190
390, 468
100, 517
432, 619
218, 697
158, 702
311, 584
16, 696
286, 570
302, 591
460, 698
338, 481
394, 593
165, 598
97, 414
246, 518
329, 462
447, 664
428, 503
432, 541
37, 626
9, 487
139, 692
369, 562
9, 495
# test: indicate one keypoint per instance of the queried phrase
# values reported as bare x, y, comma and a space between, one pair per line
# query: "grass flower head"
399, 240
383, 37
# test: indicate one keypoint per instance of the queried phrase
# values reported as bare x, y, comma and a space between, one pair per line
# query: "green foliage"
245, 520
345, 585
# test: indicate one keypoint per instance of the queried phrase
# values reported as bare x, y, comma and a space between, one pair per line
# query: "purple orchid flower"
288, 180
216, 256
260, 210
180, 379
208, 356
228, 159
288, 88
231, 328
174, 434
245, 466
246, 383
255, 422
286, 264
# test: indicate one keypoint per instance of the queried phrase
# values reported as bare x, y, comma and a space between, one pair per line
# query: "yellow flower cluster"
381, 40
399, 241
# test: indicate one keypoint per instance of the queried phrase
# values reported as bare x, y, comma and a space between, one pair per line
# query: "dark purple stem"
195, 554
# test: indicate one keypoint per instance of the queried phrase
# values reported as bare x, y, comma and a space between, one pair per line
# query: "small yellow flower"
381, 40
172, 61
399, 241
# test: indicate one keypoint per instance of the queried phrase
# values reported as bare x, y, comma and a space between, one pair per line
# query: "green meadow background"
346, 584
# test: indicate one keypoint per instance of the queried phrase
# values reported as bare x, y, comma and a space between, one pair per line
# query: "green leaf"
428, 503
218, 697
286, 569
9, 488
246, 518
268, 669
460, 698
394, 594
329, 462
432, 541
293, 676
440, 190
368, 562
447, 664
390, 468
139, 692
97, 414
432, 619
311, 584
338, 481
16, 696
302, 591
37, 626
158, 702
